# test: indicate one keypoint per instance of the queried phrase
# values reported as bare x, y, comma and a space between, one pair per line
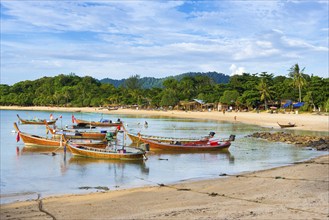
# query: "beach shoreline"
289, 192
298, 191
304, 121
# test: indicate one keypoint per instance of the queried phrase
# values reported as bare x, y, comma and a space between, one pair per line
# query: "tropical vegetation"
246, 91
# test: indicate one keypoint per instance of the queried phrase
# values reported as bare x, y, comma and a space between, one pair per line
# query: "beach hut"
193, 105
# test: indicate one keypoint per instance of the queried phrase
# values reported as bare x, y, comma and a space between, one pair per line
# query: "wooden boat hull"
91, 143
83, 151
135, 138
35, 140
82, 135
190, 147
38, 122
97, 123
72, 134
286, 125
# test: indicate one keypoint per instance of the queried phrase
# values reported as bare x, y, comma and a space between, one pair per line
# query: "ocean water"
27, 172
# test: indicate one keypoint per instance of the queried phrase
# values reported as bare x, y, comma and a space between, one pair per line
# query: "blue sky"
118, 39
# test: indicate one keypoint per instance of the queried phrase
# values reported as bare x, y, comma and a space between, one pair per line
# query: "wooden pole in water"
60, 145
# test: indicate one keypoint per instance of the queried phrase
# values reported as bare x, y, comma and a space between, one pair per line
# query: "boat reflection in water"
44, 150
221, 155
114, 173
40, 150
112, 164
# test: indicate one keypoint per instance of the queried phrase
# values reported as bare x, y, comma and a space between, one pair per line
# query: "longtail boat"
210, 145
138, 138
36, 121
289, 125
73, 134
101, 123
35, 140
119, 154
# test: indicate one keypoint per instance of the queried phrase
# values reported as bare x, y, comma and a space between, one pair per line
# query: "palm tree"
134, 86
298, 78
264, 91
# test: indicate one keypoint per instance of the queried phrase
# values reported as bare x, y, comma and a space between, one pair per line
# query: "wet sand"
298, 191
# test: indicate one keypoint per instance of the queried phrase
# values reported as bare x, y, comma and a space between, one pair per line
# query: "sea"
29, 172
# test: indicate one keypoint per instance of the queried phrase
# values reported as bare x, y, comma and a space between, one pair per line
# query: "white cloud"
236, 70
171, 37
264, 44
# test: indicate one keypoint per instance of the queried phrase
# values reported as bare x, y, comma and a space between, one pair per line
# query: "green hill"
151, 82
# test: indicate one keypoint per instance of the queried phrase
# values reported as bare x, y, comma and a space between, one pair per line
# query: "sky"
119, 39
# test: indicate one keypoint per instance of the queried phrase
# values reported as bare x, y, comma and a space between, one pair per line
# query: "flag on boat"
17, 137
73, 119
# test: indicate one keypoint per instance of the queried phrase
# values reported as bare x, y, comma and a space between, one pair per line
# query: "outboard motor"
145, 147
109, 136
232, 137
77, 133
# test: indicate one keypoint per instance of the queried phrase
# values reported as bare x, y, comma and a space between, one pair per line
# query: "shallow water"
27, 171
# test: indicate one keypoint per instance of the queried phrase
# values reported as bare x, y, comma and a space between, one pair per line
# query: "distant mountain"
217, 77
151, 82
114, 82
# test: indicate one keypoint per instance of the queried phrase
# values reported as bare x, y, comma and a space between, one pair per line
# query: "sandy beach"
304, 121
297, 191
300, 191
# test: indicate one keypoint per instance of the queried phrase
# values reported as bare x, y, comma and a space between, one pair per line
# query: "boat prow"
289, 125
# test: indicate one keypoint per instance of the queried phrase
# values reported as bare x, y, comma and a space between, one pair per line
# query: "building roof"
199, 101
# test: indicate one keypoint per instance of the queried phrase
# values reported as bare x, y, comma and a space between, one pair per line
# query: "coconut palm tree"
298, 78
134, 86
264, 91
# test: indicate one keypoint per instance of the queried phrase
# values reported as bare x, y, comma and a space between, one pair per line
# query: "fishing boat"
125, 153
101, 123
73, 134
36, 121
138, 138
35, 140
289, 125
210, 145
81, 127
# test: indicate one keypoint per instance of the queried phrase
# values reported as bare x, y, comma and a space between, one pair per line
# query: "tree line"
243, 91
150, 82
